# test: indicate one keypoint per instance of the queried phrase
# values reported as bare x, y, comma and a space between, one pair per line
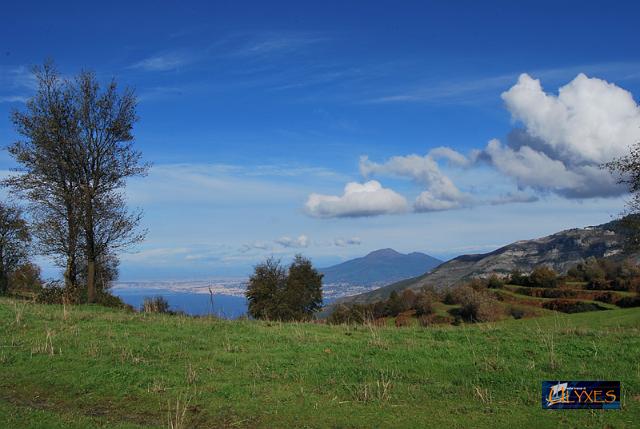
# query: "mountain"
560, 251
380, 267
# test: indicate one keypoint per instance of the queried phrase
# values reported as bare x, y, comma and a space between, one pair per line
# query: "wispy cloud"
168, 61
459, 90
271, 43
16, 82
484, 88
296, 243
345, 242
13, 98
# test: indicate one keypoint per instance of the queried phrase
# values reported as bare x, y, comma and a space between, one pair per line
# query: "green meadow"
92, 367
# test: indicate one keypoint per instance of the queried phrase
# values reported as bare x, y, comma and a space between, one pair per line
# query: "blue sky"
256, 116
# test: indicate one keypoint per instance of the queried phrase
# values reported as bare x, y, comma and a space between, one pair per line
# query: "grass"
99, 367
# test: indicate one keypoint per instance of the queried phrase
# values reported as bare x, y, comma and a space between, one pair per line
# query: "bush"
458, 294
516, 313
108, 300
606, 297
156, 304
402, 320
51, 293
628, 302
559, 293
543, 276
394, 304
518, 278
354, 314
339, 315
476, 306
598, 283
408, 298
566, 306
495, 282
424, 321
26, 277
424, 304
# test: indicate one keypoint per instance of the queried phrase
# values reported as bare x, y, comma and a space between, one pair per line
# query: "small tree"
303, 291
278, 294
264, 289
75, 157
394, 304
14, 242
543, 276
408, 298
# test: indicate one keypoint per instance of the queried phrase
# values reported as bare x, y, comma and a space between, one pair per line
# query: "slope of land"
560, 251
380, 267
96, 367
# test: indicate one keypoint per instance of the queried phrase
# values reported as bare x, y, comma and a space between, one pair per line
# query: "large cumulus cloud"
358, 200
566, 137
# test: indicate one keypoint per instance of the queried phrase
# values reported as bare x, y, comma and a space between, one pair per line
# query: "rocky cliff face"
560, 251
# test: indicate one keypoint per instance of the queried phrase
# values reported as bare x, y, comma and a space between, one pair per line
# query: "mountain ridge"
379, 267
560, 251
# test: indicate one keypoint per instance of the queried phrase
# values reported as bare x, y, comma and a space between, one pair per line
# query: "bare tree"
49, 129
627, 170
74, 162
14, 242
102, 160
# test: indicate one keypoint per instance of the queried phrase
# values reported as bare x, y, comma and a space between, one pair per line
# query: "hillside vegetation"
560, 251
89, 366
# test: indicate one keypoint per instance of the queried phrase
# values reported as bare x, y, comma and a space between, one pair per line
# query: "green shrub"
495, 282
566, 306
516, 313
476, 306
156, 304
543, 276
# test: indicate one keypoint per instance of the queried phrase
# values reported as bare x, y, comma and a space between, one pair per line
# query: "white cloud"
344, 242
296, 243
358, 200
162, 62
13, 99
219, 183
567, 137
441, 193
256, 245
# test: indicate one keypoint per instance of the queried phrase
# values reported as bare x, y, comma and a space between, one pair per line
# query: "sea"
222, 297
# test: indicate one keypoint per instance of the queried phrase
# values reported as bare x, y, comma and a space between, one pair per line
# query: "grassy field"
98, 367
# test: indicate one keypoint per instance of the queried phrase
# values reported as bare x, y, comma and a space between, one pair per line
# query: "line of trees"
75, 154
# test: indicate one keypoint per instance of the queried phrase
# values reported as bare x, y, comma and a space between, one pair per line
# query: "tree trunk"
70, 281
91, 280
71, 272
4, 284
4, 278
